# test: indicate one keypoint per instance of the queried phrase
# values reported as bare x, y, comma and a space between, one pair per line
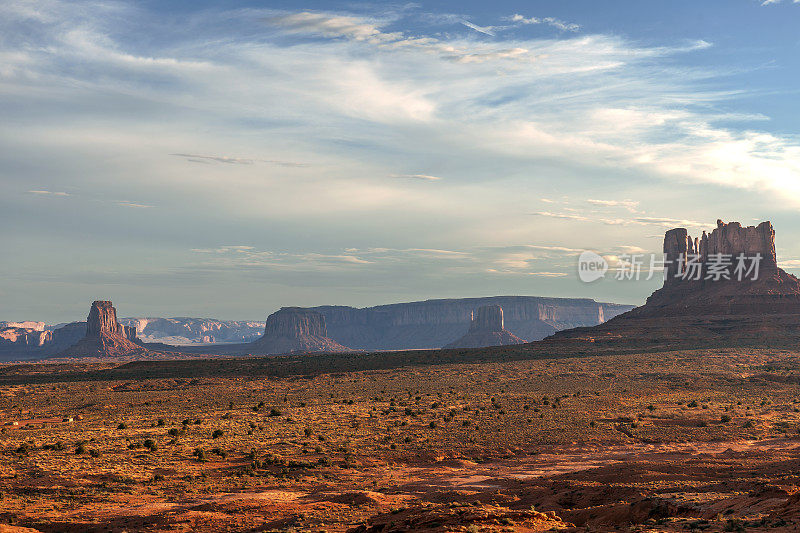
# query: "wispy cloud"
42, 192
198, 158
630, 205
549, 21
664, 222
218, 158
135, 205
487, 30
423, 177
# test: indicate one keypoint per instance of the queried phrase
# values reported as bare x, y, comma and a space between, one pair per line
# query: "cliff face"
294, 329
729, 239
771, 291
105, 337
434, 323
710, 308
486, 329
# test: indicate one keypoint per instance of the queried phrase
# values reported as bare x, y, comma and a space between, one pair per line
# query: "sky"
224, 159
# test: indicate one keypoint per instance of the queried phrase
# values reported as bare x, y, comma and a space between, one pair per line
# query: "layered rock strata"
295, 330
486, 329
105, 336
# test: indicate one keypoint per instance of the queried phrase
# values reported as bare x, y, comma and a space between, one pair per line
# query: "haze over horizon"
227, 159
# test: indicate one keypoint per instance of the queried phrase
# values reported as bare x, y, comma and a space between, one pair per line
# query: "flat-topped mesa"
486, 329
731, 240
293, 330
295, 322
487, 318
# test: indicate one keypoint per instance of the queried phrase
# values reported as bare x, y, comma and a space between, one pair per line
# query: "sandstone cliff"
434, 323
486, 329
709, 309
295, 330
105, 336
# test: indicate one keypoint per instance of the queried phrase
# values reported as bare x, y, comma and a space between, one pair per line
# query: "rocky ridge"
486, 329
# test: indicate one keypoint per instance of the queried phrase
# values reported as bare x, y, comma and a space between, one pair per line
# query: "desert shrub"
220, 452
94, 453
200, 454
122, 425
174, 432
80, 449
150, 445
23, 449
748, 424
217, 434
274, 412
161, 423
692, 404
651, 407
432, 425
725, 419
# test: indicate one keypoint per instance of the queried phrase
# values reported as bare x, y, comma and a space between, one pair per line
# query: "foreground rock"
486, 329
704, 307
295, 330
105, 336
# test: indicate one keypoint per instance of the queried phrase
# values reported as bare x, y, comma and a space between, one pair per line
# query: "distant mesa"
105, 336
295, 330
701, 305
486, 329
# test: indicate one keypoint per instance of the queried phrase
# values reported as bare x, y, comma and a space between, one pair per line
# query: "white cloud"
630, 205
550, 21
42, 192
135, 205
423, 177
488, 30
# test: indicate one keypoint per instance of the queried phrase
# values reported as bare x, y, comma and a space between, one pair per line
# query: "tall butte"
698, 303
486, 329
296, 330
105, 337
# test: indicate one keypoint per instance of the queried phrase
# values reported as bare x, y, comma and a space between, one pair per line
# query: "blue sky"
227, 158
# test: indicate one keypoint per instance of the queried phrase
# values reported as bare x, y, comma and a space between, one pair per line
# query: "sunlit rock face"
763, 306
293, 330
486, 329
105, 336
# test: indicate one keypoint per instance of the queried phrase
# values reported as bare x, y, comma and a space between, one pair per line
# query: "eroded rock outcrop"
295, 330
486, 329
701, 307
105, 336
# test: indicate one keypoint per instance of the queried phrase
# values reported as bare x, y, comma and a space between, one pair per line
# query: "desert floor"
675, 441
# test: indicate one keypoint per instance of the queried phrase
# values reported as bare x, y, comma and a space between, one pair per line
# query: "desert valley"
384, 267
628, 424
